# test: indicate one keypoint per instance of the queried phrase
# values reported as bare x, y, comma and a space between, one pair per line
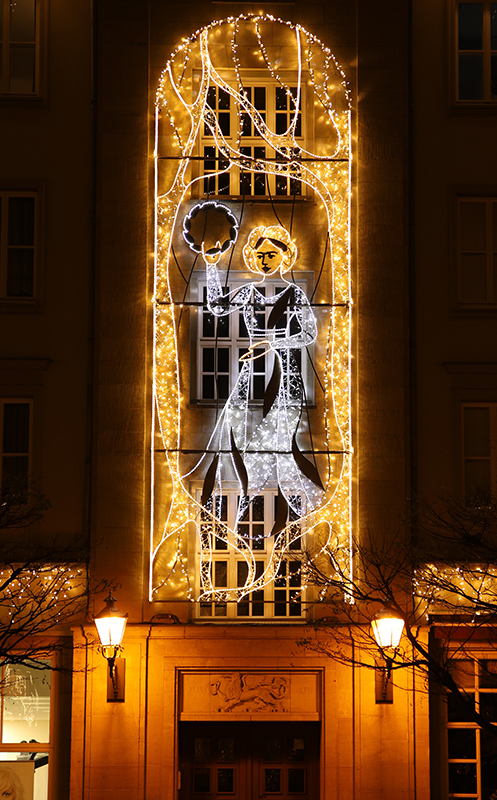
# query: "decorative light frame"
329, 177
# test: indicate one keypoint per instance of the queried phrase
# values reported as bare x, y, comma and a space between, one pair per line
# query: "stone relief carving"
239, 691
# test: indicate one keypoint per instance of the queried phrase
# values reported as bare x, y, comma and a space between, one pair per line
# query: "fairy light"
180, 117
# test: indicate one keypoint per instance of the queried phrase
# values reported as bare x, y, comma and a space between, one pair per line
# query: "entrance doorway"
249, 760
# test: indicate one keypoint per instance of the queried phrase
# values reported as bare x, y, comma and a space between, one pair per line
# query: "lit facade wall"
365, 750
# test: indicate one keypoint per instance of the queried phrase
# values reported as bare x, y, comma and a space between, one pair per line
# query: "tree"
446, 571
42, 585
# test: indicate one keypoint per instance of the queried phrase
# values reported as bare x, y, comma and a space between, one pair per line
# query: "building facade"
247, 313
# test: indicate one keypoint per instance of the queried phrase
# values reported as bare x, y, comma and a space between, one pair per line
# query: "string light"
183, 110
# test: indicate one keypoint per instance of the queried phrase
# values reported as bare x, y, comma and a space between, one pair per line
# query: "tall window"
479, 450
472, 752
17, 245
224, 340
477, 251
476, 43
19, 39
275, 108
15, 441
281, 599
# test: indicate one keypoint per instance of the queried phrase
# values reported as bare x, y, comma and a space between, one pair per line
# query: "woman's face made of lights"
268, 258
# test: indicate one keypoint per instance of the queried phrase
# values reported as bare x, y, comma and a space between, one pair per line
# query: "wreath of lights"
187, 224
181, 114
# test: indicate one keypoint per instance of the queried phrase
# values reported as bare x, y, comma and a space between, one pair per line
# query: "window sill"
20, 306
253, 198
471, 106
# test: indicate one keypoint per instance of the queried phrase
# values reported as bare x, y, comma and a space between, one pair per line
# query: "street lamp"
110, 624
387, 627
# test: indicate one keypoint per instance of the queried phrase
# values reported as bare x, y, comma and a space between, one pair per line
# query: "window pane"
493, 77
20, 273
488, 674
220, 574
470, 26
462, 743
296, 780
225, 780
26, 712
462, 778
272, 780
281, 123
260, 97
476, 480
488, 706
224, 123
297, 750
208, 387
493, 26
22, 21
477, 431
202, 749
21, 221
22, 70
488, 746
472, 226
456, 712
473, 279
470, 77
16, 428
258, 604
224, 183
224, 99
281, 99
201, 780
226, 749
15, 469
463, 672
208, 359
272, 749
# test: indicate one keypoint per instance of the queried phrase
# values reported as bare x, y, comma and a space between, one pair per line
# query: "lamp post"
111, 624
387, 627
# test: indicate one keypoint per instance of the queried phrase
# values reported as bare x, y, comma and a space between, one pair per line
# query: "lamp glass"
387, 629
110, 630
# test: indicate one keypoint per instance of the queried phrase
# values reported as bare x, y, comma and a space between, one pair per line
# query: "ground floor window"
25, 723
472, 752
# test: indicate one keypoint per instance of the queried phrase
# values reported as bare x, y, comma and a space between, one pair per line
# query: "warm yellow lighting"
180, 120
387, 628
111, 624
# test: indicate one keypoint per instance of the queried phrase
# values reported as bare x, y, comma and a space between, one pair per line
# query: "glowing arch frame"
330, 178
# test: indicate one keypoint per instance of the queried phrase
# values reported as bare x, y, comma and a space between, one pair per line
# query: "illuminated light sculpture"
264, 448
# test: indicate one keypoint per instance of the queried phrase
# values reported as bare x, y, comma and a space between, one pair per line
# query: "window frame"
490, 252
234, 341
492, 457
291, 555
49, 748
17, 401
6, 195
252, 79
476, 658
487, 101
40, 10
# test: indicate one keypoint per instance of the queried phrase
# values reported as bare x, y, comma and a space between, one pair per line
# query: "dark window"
17, 246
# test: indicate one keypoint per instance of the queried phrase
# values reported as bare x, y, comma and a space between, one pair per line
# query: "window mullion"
6, 47
489, 248
4, 219
493, 448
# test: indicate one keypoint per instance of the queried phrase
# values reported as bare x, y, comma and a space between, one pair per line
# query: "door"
249, 760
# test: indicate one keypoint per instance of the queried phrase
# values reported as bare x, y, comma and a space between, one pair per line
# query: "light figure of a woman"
257, 445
